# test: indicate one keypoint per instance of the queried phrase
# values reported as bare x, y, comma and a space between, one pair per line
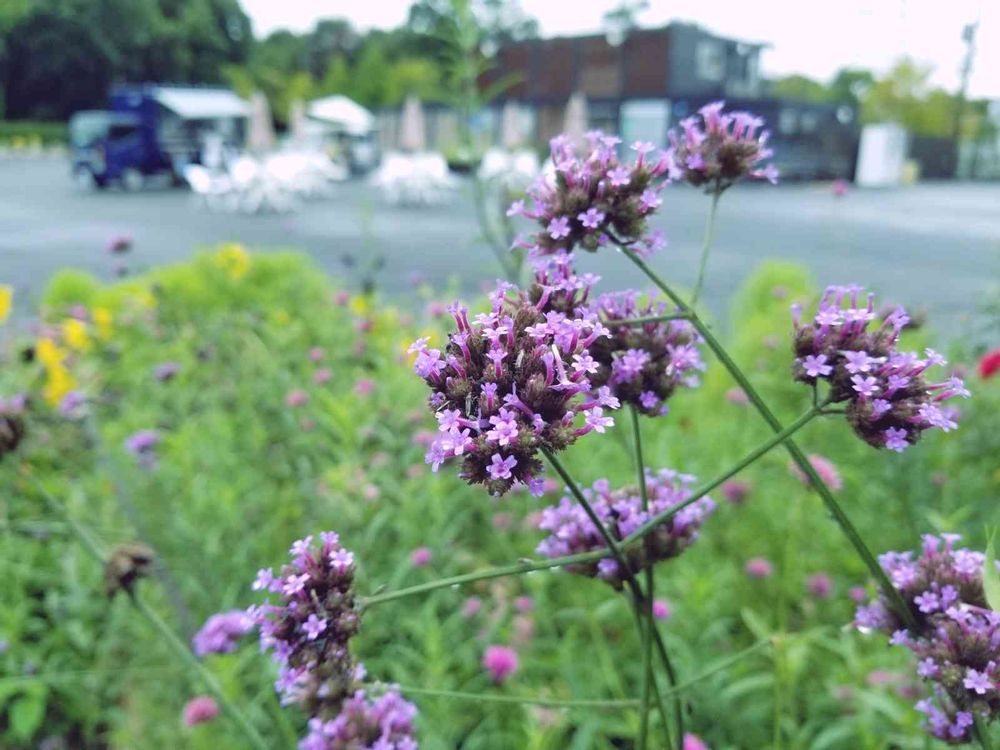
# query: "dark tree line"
59, 56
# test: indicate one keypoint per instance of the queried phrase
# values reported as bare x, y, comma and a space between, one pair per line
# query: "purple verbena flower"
221, 632
718, 149
571, 530
365, 723
957, 641
308, 631
594, 198
890, 402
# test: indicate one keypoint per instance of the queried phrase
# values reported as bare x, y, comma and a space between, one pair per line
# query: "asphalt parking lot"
934, 247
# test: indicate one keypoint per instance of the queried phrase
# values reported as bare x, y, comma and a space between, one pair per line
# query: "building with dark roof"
653, 78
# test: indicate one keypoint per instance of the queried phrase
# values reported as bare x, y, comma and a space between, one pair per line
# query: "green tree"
905, 96
801, 88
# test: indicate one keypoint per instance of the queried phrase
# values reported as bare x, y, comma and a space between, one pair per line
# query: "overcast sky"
814, 38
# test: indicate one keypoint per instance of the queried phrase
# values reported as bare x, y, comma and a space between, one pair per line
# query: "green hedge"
33, 132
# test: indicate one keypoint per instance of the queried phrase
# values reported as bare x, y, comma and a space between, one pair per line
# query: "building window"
710, 62
809, 122
788, 121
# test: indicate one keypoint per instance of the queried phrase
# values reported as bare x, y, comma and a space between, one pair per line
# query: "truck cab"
153, 129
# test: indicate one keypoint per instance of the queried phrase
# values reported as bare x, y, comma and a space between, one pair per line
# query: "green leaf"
26, 714
991, 576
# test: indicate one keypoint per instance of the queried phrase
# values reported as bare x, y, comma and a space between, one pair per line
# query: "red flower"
989, 365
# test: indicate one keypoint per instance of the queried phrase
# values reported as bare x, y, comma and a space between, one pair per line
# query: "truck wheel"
132, 180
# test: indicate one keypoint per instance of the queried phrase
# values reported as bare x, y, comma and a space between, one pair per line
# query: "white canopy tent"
201, 104
342, 112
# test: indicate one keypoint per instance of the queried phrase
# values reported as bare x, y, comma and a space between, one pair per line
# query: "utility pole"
969, 37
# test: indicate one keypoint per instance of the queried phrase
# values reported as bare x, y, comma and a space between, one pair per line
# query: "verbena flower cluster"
308, 632
644, 364
720, 150
958, 642
513, 381
595, 197
364, 723
572, 532
221, 632
889, 401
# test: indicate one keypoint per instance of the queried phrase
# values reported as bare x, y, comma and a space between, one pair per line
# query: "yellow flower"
6, 300
234, 259
360, 305
49, 354
74, 333
103, 322
59, 383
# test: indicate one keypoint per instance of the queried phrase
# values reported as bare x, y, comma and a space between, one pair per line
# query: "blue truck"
154, 129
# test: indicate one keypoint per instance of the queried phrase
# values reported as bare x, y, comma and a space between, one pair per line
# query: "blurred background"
328, 123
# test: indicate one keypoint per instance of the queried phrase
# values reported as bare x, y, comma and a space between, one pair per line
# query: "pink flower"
735, 491
693, 742
322, 375
759, 567
524, 604
858, 594
820, 585
370, 492
737, 396
298, 397
501, 521
501, 662
839, 188
420, 557
661, 609
364, 386
824, 467
341, 298
472, 606
199, 710
316, 353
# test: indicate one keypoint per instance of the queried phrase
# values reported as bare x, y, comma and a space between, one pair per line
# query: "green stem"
168, 635
519, 699
499, 572
721, 665
706, 246
704, 489
890, 591
528, 566
647, 639
619, 556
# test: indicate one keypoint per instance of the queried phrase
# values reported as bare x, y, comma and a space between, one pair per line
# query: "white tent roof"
202, 104
344, 112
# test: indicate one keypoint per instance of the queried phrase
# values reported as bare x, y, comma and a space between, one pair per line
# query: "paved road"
935, 247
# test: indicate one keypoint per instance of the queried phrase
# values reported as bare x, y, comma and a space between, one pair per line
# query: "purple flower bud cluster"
513, 381
720, 150
221, 632
958, 643
572, 532
308, 632
644, 364
364, 723
142, 445
889, 400
595, 197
